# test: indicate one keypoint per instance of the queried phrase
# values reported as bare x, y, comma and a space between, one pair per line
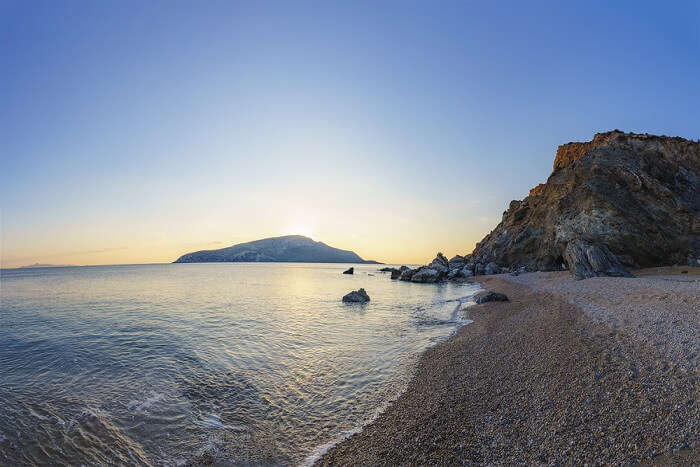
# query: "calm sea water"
169, 364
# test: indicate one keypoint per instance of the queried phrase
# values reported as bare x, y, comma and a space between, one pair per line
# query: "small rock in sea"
684, 272
349, 271
490, 296
356, 296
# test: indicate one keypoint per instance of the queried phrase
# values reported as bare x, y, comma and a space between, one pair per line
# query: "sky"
134, 132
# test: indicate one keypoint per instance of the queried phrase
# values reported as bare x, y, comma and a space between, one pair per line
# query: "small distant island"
285, 249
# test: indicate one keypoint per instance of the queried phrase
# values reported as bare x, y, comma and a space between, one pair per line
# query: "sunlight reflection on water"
248, 362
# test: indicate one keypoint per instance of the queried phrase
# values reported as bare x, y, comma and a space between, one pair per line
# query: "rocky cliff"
617, 202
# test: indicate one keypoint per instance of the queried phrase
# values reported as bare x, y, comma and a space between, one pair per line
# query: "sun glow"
299, 228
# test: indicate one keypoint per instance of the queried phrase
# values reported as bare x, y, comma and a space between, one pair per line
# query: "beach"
567, 372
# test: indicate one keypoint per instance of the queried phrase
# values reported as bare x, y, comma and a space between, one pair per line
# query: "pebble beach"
598, 371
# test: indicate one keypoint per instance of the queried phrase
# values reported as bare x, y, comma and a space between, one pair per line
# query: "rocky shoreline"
459, 268
556, 375
620, 202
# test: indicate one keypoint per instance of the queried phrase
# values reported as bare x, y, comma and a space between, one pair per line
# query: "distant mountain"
287, 249
39, 265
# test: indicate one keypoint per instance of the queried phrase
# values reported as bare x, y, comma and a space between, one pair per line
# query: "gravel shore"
567, 372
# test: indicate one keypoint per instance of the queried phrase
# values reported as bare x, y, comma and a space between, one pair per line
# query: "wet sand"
563, 373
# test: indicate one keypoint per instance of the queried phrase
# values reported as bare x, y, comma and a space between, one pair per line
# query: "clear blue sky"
136, 131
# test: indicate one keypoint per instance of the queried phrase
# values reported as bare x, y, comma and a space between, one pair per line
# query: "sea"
224, 363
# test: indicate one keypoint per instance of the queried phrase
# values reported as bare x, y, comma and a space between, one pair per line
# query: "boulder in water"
349, 271
356, 296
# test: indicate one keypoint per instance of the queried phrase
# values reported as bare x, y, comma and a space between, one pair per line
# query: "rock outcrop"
356, 296
618, 202
427, 274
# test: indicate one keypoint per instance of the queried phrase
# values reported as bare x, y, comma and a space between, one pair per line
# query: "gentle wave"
162, 364
319, 451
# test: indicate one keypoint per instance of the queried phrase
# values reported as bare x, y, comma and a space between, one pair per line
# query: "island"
285, 249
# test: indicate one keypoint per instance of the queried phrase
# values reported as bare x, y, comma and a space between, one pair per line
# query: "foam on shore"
457, 319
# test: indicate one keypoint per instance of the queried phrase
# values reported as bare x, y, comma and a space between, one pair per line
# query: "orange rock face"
570, 152
537, 190
670, 148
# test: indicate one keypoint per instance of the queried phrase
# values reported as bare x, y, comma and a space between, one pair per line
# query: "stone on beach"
593, 260
349, 271
356, 296
490, 296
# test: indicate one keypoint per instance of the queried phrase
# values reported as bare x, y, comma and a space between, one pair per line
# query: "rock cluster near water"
458, 268
621, 201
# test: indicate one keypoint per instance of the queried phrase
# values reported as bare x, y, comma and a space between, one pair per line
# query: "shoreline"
321, 450
544, 379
